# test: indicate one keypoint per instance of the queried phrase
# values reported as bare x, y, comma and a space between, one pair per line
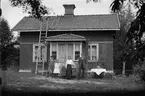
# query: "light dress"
57, 68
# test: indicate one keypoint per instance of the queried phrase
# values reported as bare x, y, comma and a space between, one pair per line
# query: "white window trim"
56, 51
57, 48
41, 44
73, 51
80, 49
97, 46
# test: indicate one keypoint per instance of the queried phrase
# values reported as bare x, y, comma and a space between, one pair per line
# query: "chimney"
69, 9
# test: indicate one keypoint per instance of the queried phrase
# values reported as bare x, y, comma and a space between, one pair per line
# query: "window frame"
97, 46
45, 53
66, 44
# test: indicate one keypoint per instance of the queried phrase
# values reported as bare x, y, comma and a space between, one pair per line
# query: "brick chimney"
69, 9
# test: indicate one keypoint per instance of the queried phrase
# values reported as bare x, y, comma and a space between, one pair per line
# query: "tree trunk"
123, 69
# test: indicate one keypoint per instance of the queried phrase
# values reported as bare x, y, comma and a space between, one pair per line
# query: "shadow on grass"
27, 91
21, 84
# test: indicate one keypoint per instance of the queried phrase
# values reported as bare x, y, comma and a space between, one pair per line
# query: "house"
68, 35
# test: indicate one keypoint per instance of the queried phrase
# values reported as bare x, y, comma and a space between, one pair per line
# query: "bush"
140, 71
109, 75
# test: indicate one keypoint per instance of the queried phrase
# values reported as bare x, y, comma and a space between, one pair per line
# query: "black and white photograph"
72, 47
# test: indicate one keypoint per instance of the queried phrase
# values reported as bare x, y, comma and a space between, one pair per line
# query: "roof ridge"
76, 15
97, 14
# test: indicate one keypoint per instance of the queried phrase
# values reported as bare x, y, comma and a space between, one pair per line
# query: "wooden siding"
90, 35
26, 56
105, 57
105, 50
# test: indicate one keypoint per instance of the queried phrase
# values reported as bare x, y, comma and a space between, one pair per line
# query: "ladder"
40, 60
42, 35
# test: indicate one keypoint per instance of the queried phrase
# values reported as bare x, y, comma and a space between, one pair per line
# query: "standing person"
56, 68
69, 65
81, 66
51, 66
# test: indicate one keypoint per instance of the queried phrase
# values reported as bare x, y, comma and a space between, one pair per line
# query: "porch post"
57, 50
50, 49
80, 48
73, 51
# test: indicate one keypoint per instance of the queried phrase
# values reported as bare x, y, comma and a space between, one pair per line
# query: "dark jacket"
82, 63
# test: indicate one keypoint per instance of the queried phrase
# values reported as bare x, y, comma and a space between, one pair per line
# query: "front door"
65, 50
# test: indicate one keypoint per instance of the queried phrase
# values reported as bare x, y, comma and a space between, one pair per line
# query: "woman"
69, 64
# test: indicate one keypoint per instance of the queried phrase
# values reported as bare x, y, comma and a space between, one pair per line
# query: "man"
81, 66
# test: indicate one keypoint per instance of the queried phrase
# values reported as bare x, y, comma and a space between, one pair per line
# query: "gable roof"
67, 23
66, 37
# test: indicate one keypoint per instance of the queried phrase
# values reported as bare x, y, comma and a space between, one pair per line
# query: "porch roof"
66, 37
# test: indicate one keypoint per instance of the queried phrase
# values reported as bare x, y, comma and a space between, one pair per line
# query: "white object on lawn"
98, 71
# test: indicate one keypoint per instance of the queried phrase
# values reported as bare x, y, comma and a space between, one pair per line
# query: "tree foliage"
10, 55
5, 34
32, 7
121, 49
5, 38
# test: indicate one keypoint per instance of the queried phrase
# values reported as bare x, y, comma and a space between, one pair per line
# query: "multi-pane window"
77, 51
54, 51
39, 52
93, 52
61, 51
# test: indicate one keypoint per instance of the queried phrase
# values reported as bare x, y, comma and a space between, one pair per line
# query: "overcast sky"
14, 15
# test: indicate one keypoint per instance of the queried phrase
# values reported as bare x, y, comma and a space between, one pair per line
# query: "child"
56, 68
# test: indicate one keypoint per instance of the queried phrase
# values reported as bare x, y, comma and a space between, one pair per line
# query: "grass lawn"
29, 82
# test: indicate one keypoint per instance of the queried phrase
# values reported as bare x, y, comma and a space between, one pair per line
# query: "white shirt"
69, 61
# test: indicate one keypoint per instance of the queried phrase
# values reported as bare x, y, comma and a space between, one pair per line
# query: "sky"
14, 14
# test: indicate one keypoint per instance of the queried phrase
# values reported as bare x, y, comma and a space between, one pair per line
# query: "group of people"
69, 65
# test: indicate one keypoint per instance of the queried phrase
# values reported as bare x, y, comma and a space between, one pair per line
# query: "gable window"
93, 52
39, 55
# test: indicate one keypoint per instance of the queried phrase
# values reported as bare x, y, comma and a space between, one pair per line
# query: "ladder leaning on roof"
39, 64
40, 61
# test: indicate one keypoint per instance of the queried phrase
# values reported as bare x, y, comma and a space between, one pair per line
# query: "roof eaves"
65, 39
117, 29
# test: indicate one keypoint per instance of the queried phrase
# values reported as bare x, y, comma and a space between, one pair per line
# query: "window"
54, 51
93, 52
62, 50
42, 53
77, 51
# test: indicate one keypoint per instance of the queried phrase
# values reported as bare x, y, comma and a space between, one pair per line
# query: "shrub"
139, 70
109, 75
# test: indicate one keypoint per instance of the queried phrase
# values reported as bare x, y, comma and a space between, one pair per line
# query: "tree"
32, 7
11, 55
5, 39
121, 49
